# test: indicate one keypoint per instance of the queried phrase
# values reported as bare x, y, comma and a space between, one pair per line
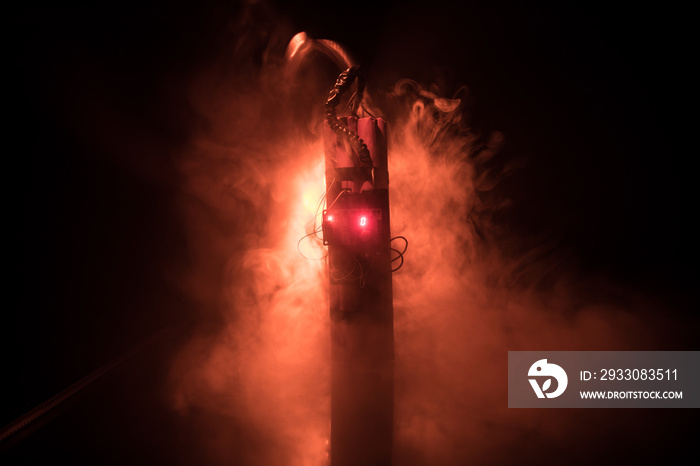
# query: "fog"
542, 192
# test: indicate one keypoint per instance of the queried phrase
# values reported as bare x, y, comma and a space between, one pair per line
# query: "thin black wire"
400, 253
364, 110
400, 256
352, 105
403, 238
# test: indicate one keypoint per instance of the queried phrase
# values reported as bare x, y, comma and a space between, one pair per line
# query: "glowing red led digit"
363, 221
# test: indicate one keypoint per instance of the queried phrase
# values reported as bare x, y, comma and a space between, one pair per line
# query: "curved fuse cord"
342, 84
399, 253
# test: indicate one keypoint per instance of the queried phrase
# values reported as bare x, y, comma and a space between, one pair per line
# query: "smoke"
461, 303
255, 373
256, 364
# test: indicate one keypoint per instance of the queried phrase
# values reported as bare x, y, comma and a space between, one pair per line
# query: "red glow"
459, 304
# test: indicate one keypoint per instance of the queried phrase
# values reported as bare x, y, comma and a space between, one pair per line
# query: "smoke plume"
255, 373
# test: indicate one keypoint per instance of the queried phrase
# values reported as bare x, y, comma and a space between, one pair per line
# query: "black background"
596, 98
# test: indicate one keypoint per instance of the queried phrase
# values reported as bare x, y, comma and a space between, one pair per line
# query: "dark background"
596, 99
